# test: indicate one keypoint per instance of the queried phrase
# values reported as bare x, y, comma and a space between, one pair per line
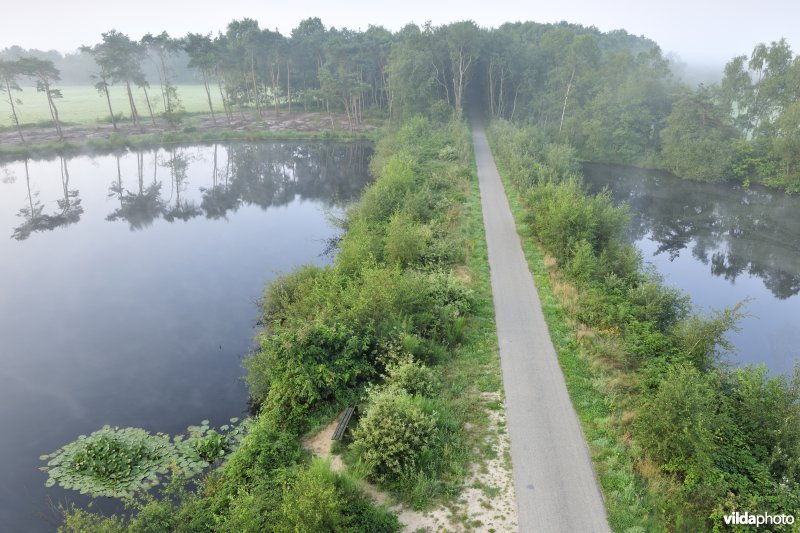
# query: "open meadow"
82, 104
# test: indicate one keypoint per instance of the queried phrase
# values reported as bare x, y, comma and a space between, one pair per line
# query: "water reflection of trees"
734, 231
269, 175
238, 174
265, 175
177, 162
69, 209
141, 207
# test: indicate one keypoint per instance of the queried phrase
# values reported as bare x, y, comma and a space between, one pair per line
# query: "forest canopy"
611, 95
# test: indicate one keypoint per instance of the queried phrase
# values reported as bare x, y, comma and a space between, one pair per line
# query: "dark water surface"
128, 289
721, 245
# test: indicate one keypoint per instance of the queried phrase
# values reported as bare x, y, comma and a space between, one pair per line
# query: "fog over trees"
612, 95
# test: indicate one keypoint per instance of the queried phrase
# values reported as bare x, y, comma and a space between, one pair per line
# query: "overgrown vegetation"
680, 440
386, 326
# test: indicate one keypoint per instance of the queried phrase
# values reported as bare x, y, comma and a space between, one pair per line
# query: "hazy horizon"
701, 34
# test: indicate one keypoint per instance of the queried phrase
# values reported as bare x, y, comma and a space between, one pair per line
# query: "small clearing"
487, 502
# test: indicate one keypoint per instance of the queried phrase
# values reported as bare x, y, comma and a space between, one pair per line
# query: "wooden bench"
344, 419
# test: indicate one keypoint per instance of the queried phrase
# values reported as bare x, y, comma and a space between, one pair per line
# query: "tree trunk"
328, 110
274, 75
491, 89
255, 85
53, 111
500, 100
442, 83
168, 101
208, 94
225, 104
149, 107
289, 86
161, 87
108, 100
134, 114
14, 111
514, 107
347, 111
566, 96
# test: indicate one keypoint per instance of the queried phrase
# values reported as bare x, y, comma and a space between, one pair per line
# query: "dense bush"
585, 233
413, 377
680, 425
407, 241
393, 433
301, 367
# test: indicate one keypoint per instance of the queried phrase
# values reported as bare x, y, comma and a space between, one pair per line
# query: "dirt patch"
488, 501
308, 122
320, 445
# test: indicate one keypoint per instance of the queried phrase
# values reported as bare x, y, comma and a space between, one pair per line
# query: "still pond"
129, 285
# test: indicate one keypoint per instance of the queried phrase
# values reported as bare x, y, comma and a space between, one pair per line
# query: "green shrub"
413, 377
263, 450
583, 265
393, 433
77, 520
644, 340
679, 426
663, 306
284, 292
562, 216
561, 158
406, 241
301, 367
384, 196
702, 339
768, 409
311, 501
363, 246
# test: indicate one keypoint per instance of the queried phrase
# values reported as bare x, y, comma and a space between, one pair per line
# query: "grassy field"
82, 104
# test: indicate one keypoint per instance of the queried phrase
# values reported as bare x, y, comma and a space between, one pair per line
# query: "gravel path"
556, 487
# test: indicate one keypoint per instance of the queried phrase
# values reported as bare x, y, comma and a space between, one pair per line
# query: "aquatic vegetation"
118, 462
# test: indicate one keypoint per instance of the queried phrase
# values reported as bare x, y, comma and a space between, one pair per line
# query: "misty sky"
699, 31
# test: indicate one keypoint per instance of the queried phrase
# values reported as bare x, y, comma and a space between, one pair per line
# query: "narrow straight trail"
556, 487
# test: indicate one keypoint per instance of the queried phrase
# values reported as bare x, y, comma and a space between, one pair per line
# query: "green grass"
630, 505
83, 105
475, 368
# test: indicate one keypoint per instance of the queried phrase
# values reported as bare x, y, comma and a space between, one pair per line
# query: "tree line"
417, 69
747, 127
611, 95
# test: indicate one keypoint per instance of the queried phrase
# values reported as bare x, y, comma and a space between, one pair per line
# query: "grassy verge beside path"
629, 505
681, 441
